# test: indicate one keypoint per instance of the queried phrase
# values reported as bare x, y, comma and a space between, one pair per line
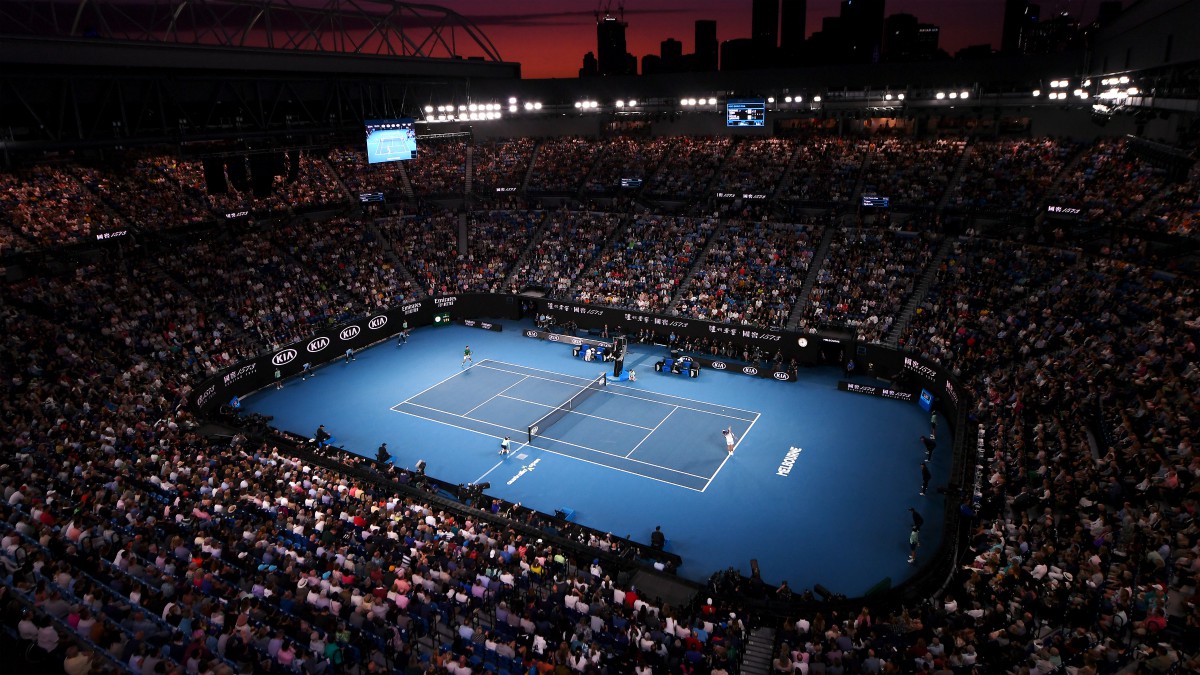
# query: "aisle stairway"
700, 259
918, 294
818, 261
759, 650
956, 177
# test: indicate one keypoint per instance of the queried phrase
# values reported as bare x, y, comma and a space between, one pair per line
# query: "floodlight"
940, 95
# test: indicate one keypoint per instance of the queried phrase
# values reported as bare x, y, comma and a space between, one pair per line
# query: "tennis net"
539, 427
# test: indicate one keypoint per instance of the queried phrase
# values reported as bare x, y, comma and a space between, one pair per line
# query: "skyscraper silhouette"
707, 48
792, 25
764, 24
862, 25
611, 55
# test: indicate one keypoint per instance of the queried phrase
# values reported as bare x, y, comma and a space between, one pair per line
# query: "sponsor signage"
877, 390
284, 357
566, 339
1065, 212
234, 215
789, 460
485, 325
239, 373
370, 197
506, 189
113, 234
915, 366
330, 343
743, 368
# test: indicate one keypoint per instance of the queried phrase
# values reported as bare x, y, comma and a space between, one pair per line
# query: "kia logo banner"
349, 333
781, 376
750, 370
317, 345
718, 365
377, 322
284, 357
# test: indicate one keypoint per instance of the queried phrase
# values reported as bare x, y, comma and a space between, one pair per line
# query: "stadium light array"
512, 100
787, 99
964, 95
632, 102
954, 94
940, 95
428, 108
620, 103
816, 99
1036, 93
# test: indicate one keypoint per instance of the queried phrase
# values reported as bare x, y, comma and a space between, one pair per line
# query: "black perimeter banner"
809, 349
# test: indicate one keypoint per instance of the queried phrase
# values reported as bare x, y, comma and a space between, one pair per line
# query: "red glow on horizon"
550, 37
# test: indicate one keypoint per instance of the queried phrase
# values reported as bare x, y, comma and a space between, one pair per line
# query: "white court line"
574, 412
640, 398
561, 454
656, 426
728, 456
549, 438
499, 393
432, 386
500, 463
694, 400
462, 416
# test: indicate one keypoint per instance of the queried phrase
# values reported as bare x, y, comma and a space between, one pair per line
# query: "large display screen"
745, 112
391, 140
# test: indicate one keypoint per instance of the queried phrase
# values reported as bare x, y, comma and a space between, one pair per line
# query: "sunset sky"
550, 37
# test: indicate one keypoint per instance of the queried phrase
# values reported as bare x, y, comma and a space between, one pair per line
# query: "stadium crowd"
624, 157
568, 243
866, 278
911, 173
48, 207
826, 171
751, 274
560, 164
689, 168
756, 166
500, 164
440, 168
131, 543
643, 265
1009, 174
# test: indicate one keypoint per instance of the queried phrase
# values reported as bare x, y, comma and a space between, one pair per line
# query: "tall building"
707, 47
906, 39
611, 55
862, 24
1020, 16
764, 24
792, 23
670, 49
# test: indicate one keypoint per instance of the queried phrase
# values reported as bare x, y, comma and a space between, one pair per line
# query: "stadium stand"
133, 543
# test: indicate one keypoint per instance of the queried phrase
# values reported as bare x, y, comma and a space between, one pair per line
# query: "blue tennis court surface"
657, 436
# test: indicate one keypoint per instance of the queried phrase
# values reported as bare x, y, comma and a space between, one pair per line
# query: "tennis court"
661, 437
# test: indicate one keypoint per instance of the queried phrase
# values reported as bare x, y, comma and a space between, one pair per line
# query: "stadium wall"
809, 349
906, 372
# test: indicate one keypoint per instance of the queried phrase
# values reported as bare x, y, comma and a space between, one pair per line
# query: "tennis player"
466, 356
729, 439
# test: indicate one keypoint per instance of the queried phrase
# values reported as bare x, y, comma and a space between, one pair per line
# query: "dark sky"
550, 37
